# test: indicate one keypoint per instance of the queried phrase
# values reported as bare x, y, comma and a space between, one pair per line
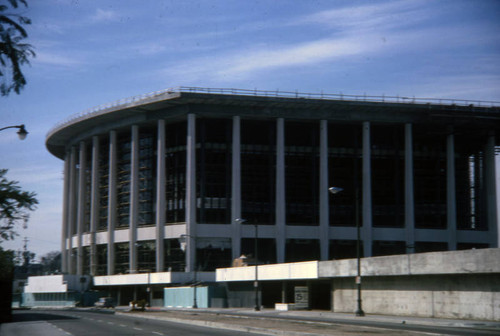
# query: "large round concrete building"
158, 183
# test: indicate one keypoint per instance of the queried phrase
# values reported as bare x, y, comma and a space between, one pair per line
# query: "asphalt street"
86, 323
181, 322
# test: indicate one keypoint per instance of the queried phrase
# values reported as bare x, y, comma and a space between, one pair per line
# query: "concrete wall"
60, 283
452, 262
458, 284
455, 284
468, 296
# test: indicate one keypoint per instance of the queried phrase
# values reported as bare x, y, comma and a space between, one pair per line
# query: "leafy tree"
14, 206
51, 262
13, 52
6, 277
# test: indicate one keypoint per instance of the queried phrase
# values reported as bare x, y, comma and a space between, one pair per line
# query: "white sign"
301, 297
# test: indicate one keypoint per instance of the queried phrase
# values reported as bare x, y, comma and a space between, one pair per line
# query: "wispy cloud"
55, 59
295, 55
102, 15
379, 16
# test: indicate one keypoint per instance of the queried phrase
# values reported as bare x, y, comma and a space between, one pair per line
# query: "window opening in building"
258, 171
344, 171
175, 162
213, 159
302, 173
174, 256
302, 250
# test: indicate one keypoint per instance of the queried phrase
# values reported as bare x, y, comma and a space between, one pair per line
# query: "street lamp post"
22, 133
195, 300
359, 310
335, 190
256, 252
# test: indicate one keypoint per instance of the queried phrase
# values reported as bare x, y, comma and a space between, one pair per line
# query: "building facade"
156, 183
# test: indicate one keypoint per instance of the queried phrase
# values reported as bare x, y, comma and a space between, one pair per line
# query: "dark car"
105, 302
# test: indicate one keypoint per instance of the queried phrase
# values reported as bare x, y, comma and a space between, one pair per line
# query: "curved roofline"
162, 95
128, 107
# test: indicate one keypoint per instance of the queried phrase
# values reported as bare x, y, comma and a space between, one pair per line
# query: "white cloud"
102, 15
242, 64
53, 58
367, 17
301, 54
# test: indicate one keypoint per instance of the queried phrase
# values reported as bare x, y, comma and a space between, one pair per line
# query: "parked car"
105, 302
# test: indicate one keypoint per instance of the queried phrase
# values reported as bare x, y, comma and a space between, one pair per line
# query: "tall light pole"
256, 251
183, 239
359, 310
22, 133
335, 190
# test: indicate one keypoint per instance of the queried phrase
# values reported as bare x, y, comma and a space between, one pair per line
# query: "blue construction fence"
206, 297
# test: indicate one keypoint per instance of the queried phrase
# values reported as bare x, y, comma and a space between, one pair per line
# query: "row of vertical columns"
74, 195
74, 207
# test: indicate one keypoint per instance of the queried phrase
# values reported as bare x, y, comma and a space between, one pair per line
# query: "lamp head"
335, 190
22, 133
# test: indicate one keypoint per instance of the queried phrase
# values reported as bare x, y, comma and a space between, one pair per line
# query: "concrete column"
191, 193
72, 209
283, 291
280, 191
112, 200
94, 204
236, 189
160, 196
367, 192
451, 204
81, 206
134, 199
324, 224
65, 219
491, 186
409, 191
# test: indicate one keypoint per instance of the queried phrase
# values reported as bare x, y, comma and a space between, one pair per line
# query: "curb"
226, 326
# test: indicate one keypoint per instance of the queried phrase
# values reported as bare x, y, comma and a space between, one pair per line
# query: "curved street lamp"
256, 283
183, 239
22, 133
359, 309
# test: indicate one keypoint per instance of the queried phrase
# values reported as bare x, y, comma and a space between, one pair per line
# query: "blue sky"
93, 52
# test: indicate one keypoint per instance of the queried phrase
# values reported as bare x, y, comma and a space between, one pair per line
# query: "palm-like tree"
13, 53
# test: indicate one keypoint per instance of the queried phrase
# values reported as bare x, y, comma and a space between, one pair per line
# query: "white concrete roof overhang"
174, 105
481, 261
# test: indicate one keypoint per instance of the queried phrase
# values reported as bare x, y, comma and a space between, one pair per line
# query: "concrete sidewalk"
299, 323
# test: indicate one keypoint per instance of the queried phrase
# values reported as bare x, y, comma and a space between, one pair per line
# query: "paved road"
227, 322
83, 323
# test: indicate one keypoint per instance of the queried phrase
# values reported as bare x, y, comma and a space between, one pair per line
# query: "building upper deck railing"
276, 94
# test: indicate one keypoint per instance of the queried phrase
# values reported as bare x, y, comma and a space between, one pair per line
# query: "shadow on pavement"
30, 316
